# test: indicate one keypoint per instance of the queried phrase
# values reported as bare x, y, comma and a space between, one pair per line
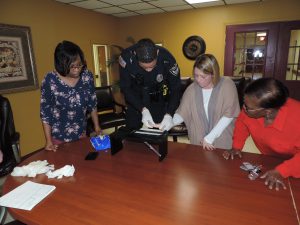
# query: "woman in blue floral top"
67, 94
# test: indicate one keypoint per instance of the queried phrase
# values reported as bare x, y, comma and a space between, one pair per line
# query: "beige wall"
210, 23
52, 22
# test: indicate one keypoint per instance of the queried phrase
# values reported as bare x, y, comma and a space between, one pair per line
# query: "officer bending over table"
150, 82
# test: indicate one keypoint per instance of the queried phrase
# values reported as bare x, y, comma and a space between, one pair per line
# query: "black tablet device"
91, 155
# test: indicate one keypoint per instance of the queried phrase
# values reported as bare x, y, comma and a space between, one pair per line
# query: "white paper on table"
26, 196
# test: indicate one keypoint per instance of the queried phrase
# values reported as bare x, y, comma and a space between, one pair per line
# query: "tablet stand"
147, 137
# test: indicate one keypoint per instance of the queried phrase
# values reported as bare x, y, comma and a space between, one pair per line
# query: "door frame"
97, 66
277, 50
282, 59
272, 29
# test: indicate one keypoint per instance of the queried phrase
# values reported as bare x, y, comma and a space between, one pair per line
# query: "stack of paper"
26, 196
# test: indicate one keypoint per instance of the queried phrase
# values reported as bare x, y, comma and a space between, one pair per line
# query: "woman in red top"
272, 119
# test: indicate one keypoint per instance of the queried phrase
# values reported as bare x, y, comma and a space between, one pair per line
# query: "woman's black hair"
65, 53
271, 93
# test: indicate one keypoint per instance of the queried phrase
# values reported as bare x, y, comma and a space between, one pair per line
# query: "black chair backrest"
7, 116
185, 82
105, 99
241, 83
7, 130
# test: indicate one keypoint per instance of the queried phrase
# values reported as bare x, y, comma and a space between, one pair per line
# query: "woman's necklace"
70, 81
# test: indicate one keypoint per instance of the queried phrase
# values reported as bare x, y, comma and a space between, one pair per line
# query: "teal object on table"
101, 142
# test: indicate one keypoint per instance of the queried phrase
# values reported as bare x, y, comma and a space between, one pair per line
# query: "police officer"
150, 82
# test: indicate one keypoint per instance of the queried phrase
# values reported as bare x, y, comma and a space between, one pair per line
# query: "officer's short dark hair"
271, 93
146, 50
65, 53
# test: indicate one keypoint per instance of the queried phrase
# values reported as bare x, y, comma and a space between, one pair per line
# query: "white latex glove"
166, 123
147, 118
32, 169
177, 119
66, 171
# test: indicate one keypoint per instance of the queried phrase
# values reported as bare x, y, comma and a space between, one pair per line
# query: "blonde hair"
208, 64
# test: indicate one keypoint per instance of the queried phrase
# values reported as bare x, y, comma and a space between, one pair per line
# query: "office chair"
181, 129
9, 145
3, 214
9, 138
107, 110
241, 83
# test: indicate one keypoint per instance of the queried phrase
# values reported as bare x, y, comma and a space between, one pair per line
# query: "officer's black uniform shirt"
142, 88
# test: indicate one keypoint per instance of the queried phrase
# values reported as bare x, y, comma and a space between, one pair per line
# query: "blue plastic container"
101, 142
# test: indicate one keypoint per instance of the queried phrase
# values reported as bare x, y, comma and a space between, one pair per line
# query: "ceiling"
126, 8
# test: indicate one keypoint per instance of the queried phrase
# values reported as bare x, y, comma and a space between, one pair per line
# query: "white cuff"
177, 119
218, 129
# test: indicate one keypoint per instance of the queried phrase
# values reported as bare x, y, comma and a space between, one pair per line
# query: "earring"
267, 117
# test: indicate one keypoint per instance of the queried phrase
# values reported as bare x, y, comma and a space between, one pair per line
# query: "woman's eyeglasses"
247, 109
73, 67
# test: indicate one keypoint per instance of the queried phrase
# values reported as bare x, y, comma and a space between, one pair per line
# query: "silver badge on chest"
159, 78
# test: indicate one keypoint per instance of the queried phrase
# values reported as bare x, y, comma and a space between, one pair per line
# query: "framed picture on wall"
17, 65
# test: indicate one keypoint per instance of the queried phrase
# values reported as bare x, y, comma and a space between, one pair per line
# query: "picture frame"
17, 64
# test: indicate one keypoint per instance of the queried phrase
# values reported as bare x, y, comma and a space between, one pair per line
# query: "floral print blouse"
64, 107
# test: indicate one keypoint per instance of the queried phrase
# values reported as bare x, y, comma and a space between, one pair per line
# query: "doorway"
101, 69
265, 50
288, 57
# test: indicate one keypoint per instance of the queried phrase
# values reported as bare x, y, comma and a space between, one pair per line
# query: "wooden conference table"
190, 186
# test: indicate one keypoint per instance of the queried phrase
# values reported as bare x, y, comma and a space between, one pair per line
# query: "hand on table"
273, 177
229, 154
51, 147
147, 118
207, 146
167, 123
97, 131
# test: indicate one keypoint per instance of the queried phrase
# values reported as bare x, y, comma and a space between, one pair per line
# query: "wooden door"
250, 50
265, 50
288, 57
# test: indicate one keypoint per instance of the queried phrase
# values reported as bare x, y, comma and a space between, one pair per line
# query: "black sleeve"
174, 84
132, 98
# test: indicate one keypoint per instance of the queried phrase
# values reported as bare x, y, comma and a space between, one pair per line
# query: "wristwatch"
193, 46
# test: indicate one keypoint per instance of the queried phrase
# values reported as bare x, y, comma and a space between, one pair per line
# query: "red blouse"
281, 138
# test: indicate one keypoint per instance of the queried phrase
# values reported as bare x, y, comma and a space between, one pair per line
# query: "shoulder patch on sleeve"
174, 70
122, 62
